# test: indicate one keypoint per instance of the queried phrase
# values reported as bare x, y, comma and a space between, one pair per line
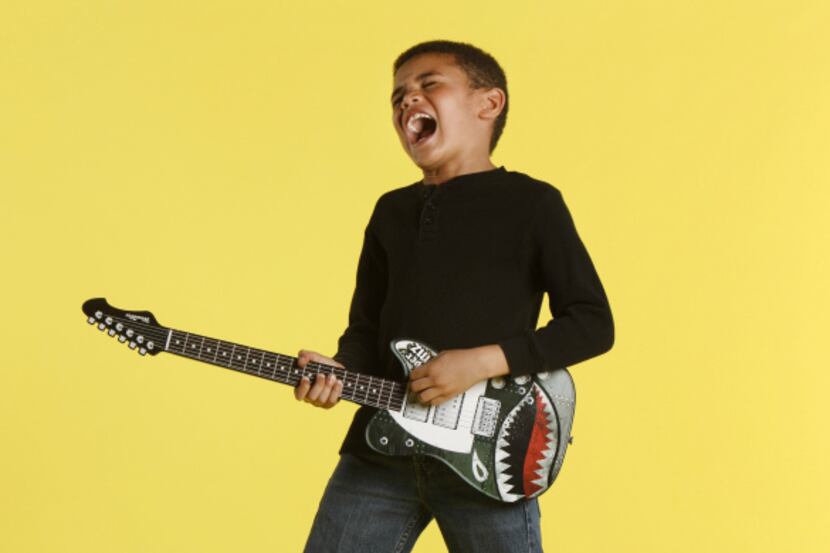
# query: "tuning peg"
98, 314
91, 320
119, 327
150, 345
140, 339
111, 332
130, 332
122, 338
101, 326
108, 320
142, 351
132, 345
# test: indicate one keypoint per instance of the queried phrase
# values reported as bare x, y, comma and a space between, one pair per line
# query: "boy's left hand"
453, 371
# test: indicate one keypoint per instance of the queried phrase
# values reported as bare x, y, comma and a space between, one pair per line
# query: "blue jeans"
377, 503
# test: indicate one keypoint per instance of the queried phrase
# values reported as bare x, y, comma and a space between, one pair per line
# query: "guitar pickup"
447, 413
414, 409
487, 414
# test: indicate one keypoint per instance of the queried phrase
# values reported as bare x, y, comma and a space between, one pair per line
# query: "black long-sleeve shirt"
466, 263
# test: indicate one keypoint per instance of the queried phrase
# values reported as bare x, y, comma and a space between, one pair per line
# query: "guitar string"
389, 390
394, 394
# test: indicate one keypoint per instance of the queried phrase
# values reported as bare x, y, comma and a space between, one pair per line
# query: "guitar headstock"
138, 329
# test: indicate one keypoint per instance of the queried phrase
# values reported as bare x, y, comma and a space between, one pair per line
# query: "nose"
408, 98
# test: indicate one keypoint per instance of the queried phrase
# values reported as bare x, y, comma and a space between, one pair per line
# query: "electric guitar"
505, 436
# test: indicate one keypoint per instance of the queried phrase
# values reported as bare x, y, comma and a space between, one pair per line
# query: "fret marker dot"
178, 342
239, 357
224, 354
267, 364
254, 360
208, 350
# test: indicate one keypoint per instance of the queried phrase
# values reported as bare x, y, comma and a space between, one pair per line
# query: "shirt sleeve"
358, 345
582, 325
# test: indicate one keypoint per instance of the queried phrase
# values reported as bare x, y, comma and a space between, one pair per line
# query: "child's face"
435, 85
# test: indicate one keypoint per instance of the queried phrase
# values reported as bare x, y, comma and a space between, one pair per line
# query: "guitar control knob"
497, 382
522, 380
122, 338
150, 345
132, 345
142, 351
130, 332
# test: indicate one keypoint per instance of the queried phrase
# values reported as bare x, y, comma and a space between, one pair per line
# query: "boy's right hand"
325, 392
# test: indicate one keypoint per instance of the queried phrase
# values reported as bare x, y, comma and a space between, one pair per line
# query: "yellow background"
216, 163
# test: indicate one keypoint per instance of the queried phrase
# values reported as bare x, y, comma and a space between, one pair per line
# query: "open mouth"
420, 127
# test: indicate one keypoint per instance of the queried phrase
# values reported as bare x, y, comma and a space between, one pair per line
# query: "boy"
460, 261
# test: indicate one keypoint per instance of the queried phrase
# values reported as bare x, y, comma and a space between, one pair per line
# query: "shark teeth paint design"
521, 470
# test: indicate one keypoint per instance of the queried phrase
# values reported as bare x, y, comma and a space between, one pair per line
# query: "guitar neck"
358, 388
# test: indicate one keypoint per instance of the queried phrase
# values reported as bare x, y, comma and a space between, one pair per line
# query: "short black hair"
482, 69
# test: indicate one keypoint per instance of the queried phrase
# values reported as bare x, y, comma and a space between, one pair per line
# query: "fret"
368, 388
245, 362
230, 356
201, 344
380, 394
270, 361
177, 343
348, 386
210, 349
259, 362
238, 359
224, 353
284, 368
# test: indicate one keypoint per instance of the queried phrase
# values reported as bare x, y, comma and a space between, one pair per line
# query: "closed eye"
397, 100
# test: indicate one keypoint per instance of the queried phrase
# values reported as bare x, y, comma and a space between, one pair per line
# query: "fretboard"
359, 388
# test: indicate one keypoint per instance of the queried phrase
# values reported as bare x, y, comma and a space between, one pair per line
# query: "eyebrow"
421, 76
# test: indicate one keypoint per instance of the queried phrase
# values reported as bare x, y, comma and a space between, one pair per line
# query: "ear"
492, 103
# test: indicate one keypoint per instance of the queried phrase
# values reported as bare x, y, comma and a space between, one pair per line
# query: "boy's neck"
442, 174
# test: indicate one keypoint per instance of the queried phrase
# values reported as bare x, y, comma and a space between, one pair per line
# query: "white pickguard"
459, 439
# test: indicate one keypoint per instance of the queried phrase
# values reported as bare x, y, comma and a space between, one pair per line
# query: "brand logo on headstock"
134, 317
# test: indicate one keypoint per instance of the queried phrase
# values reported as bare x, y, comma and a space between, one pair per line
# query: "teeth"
410, 124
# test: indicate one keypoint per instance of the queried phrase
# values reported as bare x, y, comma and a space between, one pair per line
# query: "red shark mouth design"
526, 447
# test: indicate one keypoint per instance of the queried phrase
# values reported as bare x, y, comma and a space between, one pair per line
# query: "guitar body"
506, 437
